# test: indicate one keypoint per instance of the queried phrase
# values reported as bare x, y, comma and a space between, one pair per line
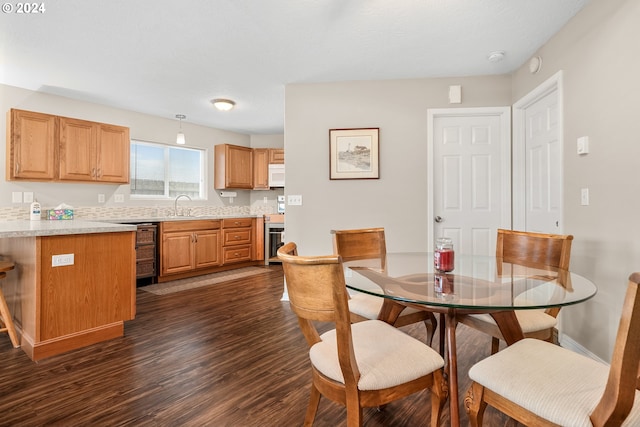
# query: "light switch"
583, 145
294, 200
16, 197
584, 197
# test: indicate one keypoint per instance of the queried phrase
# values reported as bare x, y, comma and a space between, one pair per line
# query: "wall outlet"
119, 198
63, 259
294, 200
27, 197
100, 198
16, 197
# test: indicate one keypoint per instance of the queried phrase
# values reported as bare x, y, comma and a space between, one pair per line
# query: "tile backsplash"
140, 212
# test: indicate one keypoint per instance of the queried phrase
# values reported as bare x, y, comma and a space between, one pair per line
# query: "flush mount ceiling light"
180, 138
496, 56
223, 104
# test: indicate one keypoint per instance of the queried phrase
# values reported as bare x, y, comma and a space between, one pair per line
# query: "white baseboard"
570, 344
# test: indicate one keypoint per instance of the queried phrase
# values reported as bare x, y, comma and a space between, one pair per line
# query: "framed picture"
354, 153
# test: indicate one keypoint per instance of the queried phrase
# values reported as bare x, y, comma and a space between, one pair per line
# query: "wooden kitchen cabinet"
188, 246
91, 151
276, 156
31, 141
233, 167
44, 147
72, 290
261, 168
237, 240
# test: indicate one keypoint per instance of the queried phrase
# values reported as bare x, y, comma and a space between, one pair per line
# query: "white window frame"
203, 190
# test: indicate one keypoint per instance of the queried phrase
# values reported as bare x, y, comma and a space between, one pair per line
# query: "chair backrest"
534, 249
317, 292
617, 399
362, 243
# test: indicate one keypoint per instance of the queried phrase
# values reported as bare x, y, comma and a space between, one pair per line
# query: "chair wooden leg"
8, 321
354, 412
314, 401
439, 394
475, 405
495, 345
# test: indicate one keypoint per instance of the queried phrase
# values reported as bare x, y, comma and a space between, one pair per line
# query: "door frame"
553, 83
505, 146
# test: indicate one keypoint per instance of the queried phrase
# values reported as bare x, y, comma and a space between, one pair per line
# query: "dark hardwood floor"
229, 354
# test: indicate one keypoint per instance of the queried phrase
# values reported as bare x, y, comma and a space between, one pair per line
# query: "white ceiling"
166, 57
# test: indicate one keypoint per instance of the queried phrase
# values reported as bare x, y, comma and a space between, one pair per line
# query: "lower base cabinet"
190, 248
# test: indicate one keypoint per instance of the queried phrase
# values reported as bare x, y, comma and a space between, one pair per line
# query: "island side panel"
98, 289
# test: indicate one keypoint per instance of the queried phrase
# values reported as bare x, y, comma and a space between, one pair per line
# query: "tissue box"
60, 214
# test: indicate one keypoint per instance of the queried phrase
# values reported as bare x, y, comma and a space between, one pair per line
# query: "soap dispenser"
35, 212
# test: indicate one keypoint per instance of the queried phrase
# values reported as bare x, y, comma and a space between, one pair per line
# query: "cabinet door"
260, 168
112, 152
31, 145
207, 248
177, 252
77, 149
233, 167
276, 156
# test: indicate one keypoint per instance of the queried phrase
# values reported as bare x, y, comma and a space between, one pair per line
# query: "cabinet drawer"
145, 269
185, 225
236, 254
236, 236
237, 222
147, 252
146, 234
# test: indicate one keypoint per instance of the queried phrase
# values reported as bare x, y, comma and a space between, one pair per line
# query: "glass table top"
477, 282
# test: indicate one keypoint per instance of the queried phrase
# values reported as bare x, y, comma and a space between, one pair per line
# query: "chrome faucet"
175, 203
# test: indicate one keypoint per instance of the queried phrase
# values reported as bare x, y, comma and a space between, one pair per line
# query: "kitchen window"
161, 171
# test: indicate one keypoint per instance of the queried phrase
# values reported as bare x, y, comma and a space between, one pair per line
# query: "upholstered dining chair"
370, 243
531, 250
365, 364
542, 384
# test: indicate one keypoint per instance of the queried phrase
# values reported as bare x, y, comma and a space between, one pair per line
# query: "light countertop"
25, 228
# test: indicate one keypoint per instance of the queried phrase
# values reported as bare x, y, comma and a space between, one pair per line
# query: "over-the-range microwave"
276, 175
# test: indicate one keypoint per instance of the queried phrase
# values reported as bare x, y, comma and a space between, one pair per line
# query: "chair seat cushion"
530, 320
369, 306
385, 356
557, 384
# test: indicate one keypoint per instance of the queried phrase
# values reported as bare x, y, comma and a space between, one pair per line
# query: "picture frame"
354, 153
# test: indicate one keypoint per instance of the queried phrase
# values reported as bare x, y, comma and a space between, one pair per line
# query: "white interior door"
542, 168
470, 160
537, 159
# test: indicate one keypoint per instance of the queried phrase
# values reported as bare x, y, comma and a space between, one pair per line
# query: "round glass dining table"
477, 284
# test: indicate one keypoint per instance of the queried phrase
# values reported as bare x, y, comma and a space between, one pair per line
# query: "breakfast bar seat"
6, 320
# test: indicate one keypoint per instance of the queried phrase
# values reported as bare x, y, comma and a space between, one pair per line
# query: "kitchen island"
73, 285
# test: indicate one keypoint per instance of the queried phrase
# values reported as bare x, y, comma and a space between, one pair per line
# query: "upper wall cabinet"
92, 151
261, 168
233, 167
30, 146
52, 148
276, 156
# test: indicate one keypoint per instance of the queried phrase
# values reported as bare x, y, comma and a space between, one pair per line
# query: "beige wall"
598, 53
142, 126
396, 201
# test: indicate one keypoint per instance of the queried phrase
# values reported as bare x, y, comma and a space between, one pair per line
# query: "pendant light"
180, 138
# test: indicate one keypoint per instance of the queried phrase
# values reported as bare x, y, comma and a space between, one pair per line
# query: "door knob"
438, 218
